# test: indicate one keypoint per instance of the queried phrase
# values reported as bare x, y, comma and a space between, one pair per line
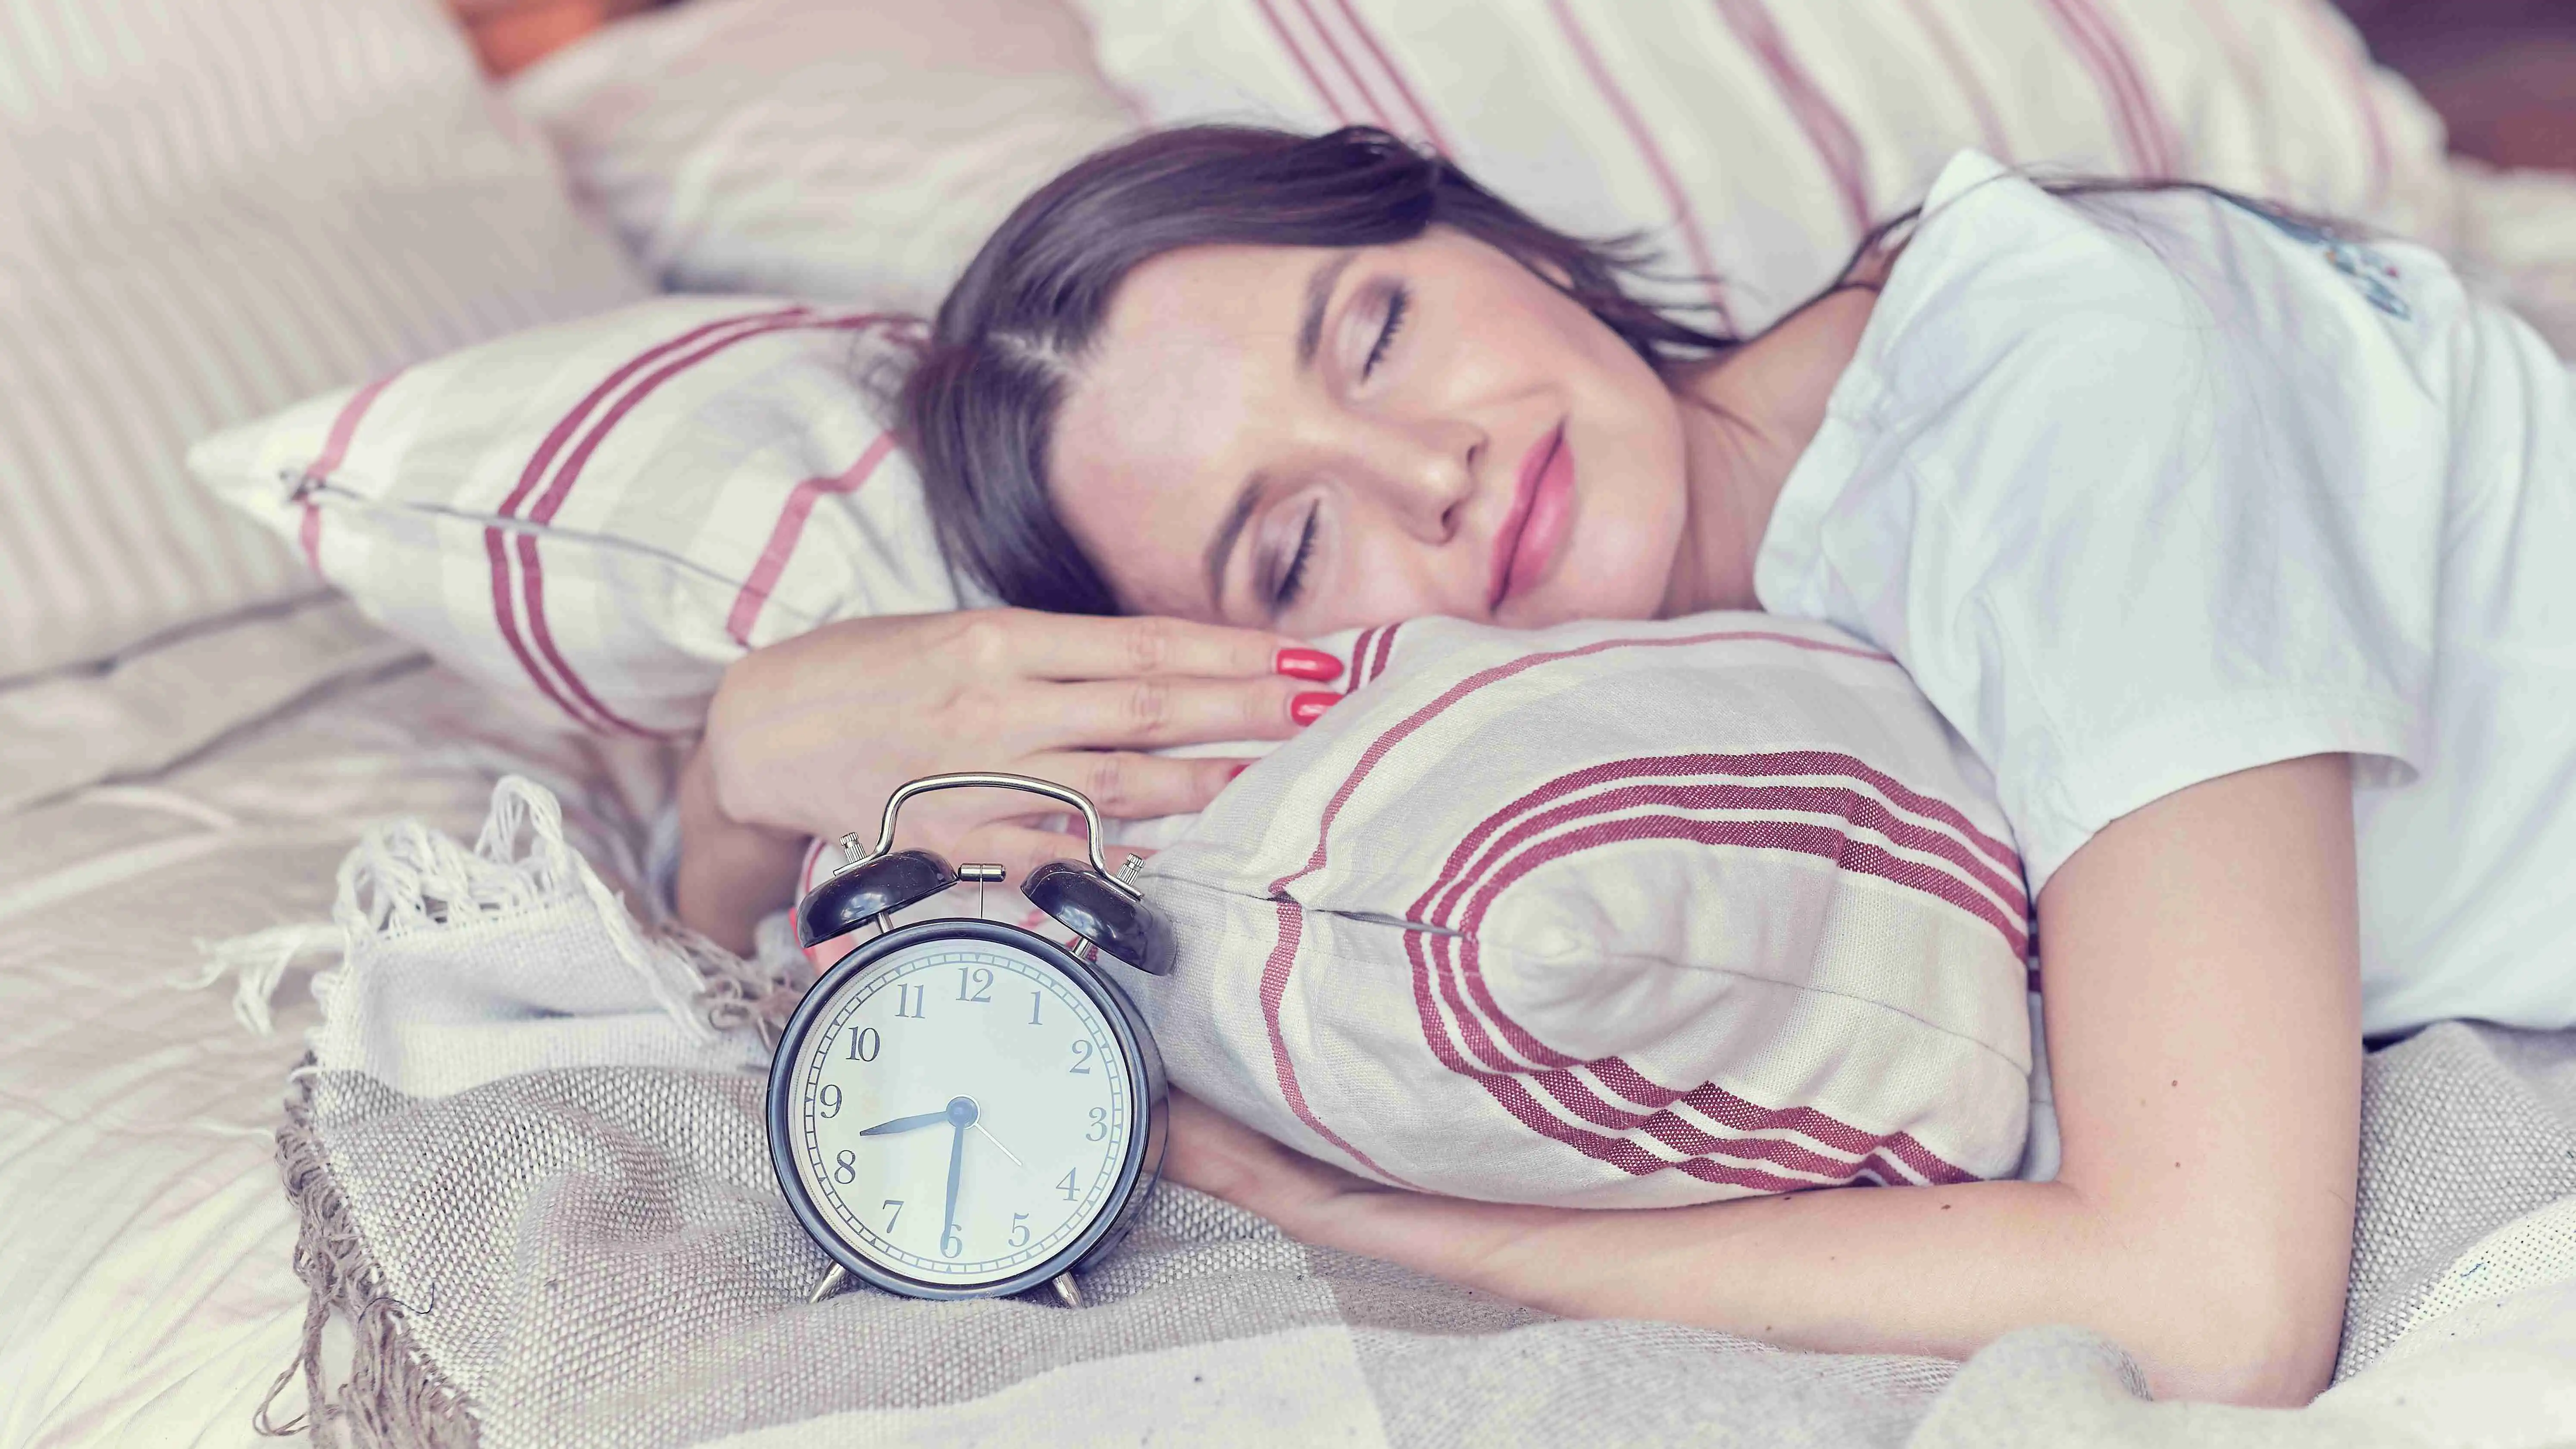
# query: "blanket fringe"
393, 1395
260, 961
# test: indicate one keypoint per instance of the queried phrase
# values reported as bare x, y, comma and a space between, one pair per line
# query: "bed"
191, 765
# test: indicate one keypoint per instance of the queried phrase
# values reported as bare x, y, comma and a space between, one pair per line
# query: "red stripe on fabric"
1770, 764
1721, 1106
2247, 68
1359, 659
1828, 130
1653, 155
1809, 839
496, 549
532, 588
1386, 64
561, 433
1514, 1097
1275, 974
335, 451
2159, 128
2334, 31
1297, 53
1282, 959
2144, 135
1971, 85
1384, 651
1377, 112
1853, 806
765, 572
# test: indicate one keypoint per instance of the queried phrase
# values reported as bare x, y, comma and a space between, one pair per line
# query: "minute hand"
956, 1161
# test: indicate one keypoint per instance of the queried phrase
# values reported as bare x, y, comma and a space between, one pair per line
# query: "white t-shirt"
2146, 488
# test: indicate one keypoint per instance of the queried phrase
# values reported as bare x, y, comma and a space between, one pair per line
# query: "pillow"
213, 209
598, 516
822, 148
1614, 914
1755, 141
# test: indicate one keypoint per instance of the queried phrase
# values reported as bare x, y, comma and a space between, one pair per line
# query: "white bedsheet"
147, 1292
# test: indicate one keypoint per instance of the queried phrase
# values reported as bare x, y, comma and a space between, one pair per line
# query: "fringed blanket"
529, 1160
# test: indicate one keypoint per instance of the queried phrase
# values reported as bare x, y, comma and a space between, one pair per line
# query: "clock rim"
1139, 1172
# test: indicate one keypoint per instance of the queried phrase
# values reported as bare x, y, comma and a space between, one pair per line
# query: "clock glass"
961, 1111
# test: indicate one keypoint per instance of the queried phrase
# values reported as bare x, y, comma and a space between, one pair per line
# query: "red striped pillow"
1613, 914
1756, 140
599, 516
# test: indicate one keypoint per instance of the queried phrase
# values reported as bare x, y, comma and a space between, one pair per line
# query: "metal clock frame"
1138, 1173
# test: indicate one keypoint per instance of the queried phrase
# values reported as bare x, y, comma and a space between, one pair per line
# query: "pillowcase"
213, 209
1613, 914
598, 516
858, 150
1755, 141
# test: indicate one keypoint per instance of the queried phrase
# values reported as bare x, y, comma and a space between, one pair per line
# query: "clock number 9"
831, 1099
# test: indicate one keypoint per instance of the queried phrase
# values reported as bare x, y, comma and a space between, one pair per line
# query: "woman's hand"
809, 736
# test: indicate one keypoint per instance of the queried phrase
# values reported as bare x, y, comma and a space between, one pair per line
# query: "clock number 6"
950, 1243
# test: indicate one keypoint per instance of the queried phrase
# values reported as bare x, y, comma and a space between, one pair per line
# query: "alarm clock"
961, 1108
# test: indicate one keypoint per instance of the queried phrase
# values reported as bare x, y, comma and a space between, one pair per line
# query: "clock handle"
928, 783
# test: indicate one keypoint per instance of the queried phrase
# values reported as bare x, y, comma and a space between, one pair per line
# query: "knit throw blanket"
528, 1156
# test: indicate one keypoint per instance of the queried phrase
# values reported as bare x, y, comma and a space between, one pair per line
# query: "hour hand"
906, 1124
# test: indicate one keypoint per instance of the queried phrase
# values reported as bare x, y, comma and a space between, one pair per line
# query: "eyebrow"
1310, 340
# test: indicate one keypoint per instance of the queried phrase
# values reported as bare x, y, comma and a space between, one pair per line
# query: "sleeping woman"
2242, 552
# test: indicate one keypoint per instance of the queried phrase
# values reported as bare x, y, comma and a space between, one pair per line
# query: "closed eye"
1399, 302
1292, 582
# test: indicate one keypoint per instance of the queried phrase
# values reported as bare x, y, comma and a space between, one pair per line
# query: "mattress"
147, 1288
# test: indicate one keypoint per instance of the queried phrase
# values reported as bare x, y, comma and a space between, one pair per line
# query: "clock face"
960, 1111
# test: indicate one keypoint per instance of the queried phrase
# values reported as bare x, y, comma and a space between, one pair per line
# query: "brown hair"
980, 407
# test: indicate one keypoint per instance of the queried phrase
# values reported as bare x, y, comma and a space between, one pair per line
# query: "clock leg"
1068, 1290
831, 1282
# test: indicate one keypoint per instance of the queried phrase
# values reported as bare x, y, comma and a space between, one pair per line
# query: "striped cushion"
1612, 914
600, 515
857, 150
214, 208
1756, 140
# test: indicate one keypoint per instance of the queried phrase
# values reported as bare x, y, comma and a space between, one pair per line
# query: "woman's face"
1312, 440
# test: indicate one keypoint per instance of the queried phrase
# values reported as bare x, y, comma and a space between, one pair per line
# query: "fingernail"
1305, 709
1312, 664
1239, 767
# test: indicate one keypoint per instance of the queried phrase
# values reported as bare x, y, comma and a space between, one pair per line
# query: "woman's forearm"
731, 874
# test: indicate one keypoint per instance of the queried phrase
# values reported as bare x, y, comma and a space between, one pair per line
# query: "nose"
1427, 471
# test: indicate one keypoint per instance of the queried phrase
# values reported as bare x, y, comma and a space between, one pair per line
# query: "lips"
1542, 507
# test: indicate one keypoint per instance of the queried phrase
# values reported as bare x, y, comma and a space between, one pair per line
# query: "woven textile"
595, 1254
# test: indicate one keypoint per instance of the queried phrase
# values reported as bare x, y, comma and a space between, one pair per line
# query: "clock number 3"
1099, 1125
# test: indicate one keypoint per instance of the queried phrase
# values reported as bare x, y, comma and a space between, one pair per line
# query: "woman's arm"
2203, 1011
809, 736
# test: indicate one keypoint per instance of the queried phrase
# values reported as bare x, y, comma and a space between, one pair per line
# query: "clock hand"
906, 1124
956, 1161
996, 1141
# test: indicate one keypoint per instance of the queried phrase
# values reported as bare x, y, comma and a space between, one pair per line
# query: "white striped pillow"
858, 150
1613, 915
214, 208
600, 515
1756, 140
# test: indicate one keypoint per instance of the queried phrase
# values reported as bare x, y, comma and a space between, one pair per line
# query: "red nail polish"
1305, 709
1312, 664
1239, 767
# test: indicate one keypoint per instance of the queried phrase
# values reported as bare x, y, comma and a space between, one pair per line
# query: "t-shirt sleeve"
2129, 497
